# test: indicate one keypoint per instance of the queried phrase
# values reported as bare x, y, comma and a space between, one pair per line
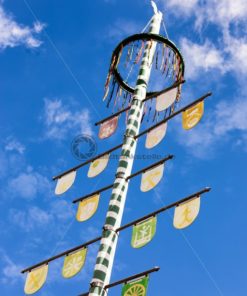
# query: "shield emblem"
192, 116
65, 182
151, 178
155, 136
136, 288
98, 166
73, 263
186, 213
166, 99
108, 127
36, 279
87, 208
143, 233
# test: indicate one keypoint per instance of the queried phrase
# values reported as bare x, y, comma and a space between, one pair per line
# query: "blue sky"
54, 58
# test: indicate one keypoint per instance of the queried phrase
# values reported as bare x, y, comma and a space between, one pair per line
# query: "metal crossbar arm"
207, 189
93, 193
130, 278
62, 254
130, 177
198, 193
87, 162
138, 136
174, 114
147, 98
151, 166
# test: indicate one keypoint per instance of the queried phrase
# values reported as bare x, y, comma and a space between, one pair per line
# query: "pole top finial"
155, 8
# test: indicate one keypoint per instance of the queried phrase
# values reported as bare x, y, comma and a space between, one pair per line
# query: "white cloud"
14, 145
10, 271
122, 29
31, 219
59, 120
179, 6
201, 57
28, 185
13, 34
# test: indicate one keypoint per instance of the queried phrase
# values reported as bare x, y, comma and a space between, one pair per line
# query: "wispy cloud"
227, 52
28, 185
10, 271
13, 34
60, 120
13, 144
122, 28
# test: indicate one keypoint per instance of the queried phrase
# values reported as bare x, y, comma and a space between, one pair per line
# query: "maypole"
105, 258
150, 49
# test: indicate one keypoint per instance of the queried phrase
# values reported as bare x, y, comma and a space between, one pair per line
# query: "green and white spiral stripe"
105, 257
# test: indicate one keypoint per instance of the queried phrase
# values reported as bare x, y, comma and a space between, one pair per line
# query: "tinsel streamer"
149, 49
139, 53
157, 59
125, 96
116, 98
119, 56
144, 111
169, 64
112, 92
155, 114
106, 93
163, 57
127, 57
166, 59
129, 98
126, 118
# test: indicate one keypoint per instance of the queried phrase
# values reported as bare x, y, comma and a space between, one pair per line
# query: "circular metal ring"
137, 37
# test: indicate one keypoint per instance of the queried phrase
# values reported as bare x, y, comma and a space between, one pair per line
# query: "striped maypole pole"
105, 257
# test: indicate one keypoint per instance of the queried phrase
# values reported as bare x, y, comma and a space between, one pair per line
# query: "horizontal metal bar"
146, 99
151, 166
207, 189
173, 115
93, 193
87, 162
62, 254
131, 176
133, 277
128, 279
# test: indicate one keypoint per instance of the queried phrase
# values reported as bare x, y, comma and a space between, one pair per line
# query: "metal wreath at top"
167, 59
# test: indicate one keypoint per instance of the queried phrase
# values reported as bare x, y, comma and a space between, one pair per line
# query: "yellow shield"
87, 208
73, 263
98, 166
166, 99
193, 115
65, 182
151, 178
156, 136
36, 279
186, 213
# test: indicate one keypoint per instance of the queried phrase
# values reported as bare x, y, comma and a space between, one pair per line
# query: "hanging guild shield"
98, 166
65, 182
143, 233
36, 279
136, 288
186, 213
73, 263
151, 178
155, 136
166, 99
192, 116
87, 208
108, 127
